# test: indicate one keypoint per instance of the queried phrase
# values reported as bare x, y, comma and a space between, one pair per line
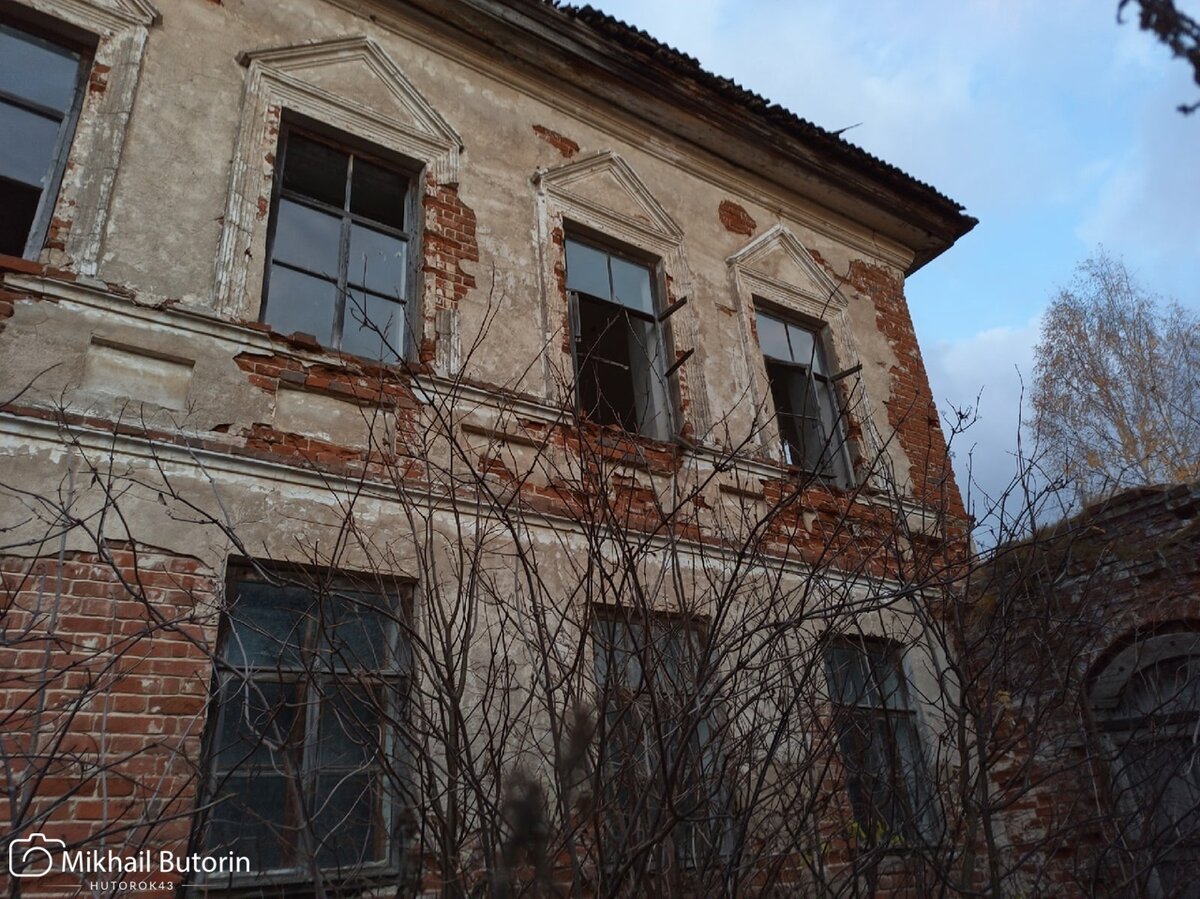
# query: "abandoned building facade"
459, 442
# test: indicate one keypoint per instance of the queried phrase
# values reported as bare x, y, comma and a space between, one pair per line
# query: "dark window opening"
41, 89
802, 390
1147, 705
617, 341
340, 248
303, 742
880, 747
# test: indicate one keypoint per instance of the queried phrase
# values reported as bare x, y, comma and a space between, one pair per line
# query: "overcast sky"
1053, 125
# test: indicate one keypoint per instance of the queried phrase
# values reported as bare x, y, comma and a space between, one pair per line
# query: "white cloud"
989, 375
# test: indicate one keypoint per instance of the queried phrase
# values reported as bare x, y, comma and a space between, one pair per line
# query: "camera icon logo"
34, 855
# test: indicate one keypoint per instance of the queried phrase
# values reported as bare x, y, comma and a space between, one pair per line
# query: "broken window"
661, 765
617, 340
340, 248
802, 389
1147, 703
303, 743
41, 89
880, 748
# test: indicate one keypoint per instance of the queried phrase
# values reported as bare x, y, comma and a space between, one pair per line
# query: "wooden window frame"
45, 28
617, 701
314, 678
354, 148
919, 821
834, 443
659, 423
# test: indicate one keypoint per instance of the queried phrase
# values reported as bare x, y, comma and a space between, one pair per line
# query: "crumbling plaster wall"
172, 190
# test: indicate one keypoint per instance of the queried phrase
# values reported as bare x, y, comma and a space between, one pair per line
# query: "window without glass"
303, 750
877, 729
802, 389
661, 765
340, 248
1147, 706
617, 339
41, 88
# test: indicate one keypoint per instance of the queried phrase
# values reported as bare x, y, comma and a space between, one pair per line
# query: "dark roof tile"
786, 121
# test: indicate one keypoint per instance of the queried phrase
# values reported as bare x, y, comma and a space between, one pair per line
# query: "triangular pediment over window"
356, 67
777, 258
602, 187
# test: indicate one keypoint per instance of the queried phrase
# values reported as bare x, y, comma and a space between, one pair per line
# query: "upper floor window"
303, 743
660, 762
618, 344
41, 88
881, 751
802, 389
340, 254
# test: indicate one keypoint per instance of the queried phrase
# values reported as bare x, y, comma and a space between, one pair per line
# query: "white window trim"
85, 192
276, 81
565, 196
820, 300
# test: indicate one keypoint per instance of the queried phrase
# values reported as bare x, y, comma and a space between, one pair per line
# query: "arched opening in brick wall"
1145, 699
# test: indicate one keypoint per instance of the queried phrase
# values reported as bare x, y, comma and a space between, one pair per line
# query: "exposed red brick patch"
911, 410
57, 234
449, 242
98, 80
129, 659
735, 218
560, 142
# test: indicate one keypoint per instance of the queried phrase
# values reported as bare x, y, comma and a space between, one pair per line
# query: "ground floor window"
305, 738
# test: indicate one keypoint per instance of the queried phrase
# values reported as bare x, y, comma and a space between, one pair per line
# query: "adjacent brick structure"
1048, 616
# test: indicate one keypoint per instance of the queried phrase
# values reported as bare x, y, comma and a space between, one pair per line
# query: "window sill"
290, 885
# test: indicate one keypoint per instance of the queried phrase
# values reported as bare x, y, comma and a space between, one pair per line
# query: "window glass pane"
632, 285
779, 378
249, 819
19, 202
299, 302
377, 261
618, 648
887, 679
587, 270
37, 70
803, 346
28, 145
828, 415
813, 451
890, 798
315, 170
348, 733
772, 337
258, 729
267, 626
911, 778
347, 821
1169, 686
357, 630
378, 193
307, 238
369, 320
644, 372
846, 683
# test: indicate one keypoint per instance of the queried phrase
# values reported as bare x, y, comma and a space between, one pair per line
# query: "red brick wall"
1059, 606
104, 677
